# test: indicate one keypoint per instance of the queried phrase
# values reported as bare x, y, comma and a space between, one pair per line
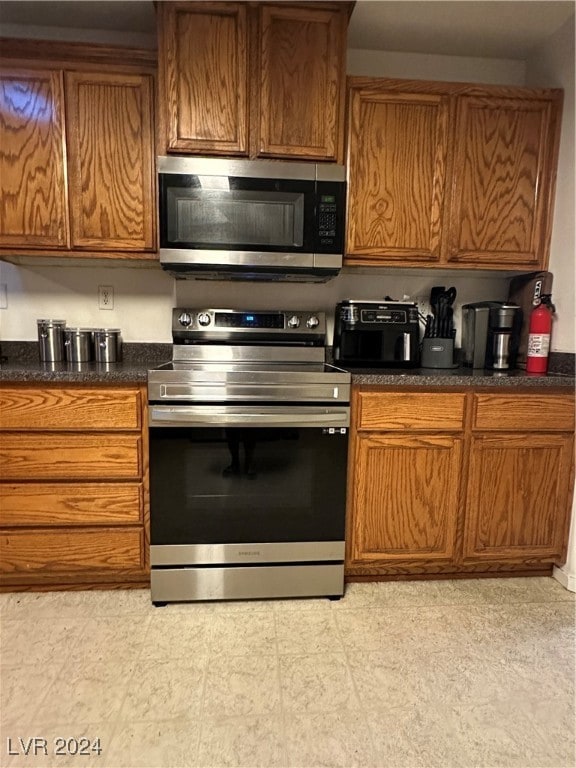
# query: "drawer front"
70, 457
526, 413
29, 504
69, 409
400, 411
62, 551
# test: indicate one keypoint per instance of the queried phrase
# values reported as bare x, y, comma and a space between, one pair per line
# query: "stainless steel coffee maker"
490, 334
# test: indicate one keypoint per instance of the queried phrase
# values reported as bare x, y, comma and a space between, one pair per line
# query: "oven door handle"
224, 416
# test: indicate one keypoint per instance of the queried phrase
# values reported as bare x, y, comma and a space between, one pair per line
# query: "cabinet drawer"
399, 411
69, 409
29, 504
62, 551
527, 413
70, 457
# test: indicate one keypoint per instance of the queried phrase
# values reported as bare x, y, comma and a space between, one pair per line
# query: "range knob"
312, 322
203, 318
185, 319
294, 322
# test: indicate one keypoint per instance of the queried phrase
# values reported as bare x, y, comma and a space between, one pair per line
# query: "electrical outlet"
3, 296
105, 297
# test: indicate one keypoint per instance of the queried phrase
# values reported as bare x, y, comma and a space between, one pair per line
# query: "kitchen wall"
144, 296
553, 65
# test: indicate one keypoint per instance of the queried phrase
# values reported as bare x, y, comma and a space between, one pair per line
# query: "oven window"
224, 486
236, 214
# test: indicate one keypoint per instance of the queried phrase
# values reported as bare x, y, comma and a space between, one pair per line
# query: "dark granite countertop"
20, 364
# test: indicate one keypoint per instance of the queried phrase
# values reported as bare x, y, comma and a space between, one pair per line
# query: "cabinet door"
203, 95
519, 497
397, 159
33, 205
405, 500
503, 182
301, 69
110, 148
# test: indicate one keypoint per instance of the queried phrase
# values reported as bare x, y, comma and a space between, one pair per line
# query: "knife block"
437, 353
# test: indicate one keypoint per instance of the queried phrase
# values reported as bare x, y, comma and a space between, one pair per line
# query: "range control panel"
224, 324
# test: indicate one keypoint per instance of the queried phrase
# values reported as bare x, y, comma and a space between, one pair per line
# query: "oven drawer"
63, 551
52, 504
399, 411
70, 456
47, 409
236, 583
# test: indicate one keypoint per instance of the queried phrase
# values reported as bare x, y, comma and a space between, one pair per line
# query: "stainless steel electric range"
248, 452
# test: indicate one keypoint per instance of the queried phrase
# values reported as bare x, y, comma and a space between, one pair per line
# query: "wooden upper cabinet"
203, 59
33, 205
302, 53
252, 79
450, 174
502, 185
110, 140
397, 167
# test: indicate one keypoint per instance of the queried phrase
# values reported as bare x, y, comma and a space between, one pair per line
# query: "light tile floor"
474, 673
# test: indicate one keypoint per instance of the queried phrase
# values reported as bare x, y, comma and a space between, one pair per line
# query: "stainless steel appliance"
51, 340
490, 333
376, 333
503, 334
251, 220
248, 453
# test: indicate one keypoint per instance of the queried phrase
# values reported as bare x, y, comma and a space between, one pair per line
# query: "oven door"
247, 484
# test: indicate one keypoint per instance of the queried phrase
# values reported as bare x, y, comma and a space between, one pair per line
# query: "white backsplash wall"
143, 300
369, 284
144, 297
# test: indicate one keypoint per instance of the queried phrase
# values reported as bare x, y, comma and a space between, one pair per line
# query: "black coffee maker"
490, 334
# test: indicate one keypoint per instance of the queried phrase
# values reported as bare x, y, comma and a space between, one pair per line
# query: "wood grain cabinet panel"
60, 552
60, 456
43, 409
110, 140
252, 79
33, 204
400, 411
74, 509
405, 499
526, 413
501, 181
450, 174
301, 69
203, 55
65, 504
519, 497
397, 170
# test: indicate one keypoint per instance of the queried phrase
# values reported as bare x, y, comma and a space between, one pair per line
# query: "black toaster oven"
375, 334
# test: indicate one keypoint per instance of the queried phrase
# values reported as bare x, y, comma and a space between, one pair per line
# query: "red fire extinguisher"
539, 333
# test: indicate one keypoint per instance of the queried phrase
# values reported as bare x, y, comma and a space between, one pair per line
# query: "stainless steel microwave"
251, 219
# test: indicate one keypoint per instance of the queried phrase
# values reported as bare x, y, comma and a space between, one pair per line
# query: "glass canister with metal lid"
108, 345
51, 340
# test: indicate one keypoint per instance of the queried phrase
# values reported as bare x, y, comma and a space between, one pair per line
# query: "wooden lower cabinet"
470, 483
406, 499
74, 487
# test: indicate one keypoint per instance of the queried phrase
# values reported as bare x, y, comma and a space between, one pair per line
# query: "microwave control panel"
330, 198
